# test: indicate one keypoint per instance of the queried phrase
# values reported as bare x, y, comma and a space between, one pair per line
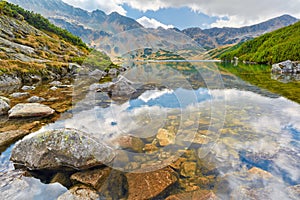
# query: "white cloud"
152, 23
239, 13
106, 6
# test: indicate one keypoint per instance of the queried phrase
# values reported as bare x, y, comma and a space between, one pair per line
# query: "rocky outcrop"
59, 149
286, 67
24, 110
149, 185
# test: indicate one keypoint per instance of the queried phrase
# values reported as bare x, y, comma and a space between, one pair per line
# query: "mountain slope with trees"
277, 46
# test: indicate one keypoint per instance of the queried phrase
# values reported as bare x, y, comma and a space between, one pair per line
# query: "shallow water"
225, 125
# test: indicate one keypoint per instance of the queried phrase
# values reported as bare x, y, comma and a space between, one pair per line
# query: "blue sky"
179, 17
194, 13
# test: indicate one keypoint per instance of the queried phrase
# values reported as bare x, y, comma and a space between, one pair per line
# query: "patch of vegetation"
260, 75
274, 47
96, 60
39, 22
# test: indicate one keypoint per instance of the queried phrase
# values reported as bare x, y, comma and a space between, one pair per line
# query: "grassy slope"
50, 43
279, 45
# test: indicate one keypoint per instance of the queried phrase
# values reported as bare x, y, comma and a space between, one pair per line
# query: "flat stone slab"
24, 110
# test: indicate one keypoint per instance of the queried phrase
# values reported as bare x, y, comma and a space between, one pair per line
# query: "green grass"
277, 46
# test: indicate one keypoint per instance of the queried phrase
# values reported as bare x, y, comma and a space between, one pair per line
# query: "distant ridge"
96, 25
215, 37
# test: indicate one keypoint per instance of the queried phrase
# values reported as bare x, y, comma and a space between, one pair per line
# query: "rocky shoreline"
86, 167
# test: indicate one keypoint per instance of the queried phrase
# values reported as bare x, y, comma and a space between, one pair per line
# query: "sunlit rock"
24, 110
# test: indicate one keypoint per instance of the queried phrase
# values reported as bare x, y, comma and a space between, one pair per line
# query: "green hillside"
277, 46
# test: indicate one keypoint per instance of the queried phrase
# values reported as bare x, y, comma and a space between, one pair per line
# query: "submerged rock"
165, 137
4, 107
195, 195
129, 142
24, 110
94, 178
79, 192
149, 185
188, 169
57, 149
8, 137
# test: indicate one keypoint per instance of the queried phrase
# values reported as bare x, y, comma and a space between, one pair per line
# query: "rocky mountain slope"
277, 46
87, 25
32, 49
215, 37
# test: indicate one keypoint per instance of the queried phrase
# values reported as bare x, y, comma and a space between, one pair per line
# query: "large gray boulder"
24, 110
286, 67
58, 149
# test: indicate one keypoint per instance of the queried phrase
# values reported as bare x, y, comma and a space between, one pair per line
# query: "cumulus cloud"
106, 6
152, 23
238, 13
